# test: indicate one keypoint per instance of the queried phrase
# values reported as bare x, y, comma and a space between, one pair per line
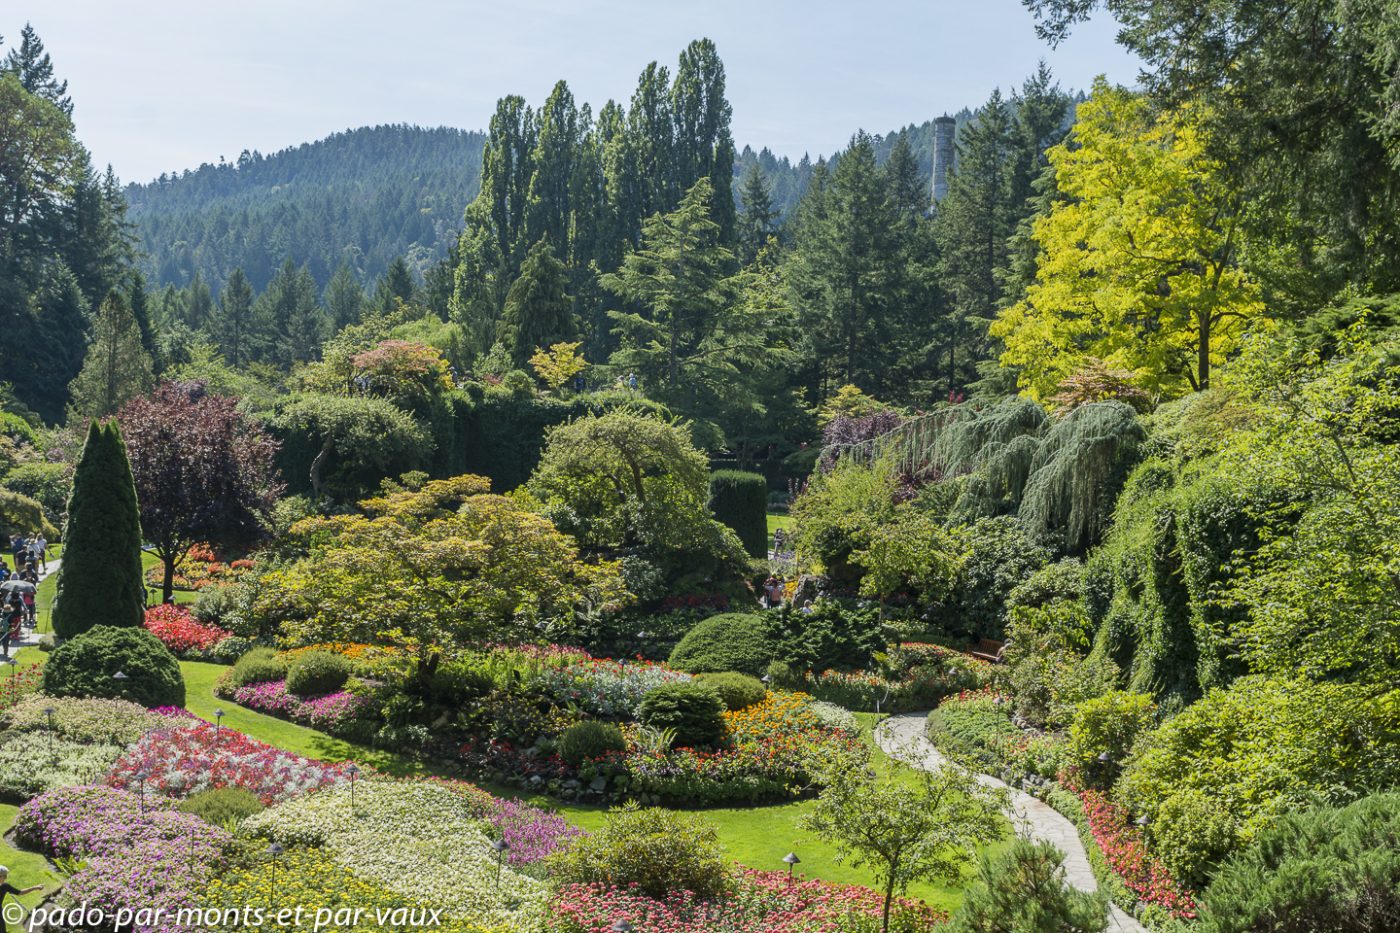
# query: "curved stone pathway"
902, 737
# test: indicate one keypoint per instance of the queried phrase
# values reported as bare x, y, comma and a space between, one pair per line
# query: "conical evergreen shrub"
99, 581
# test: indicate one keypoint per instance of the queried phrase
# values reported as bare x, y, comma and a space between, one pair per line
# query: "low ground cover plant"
80, 719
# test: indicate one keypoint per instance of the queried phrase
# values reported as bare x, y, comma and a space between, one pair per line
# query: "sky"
165, 85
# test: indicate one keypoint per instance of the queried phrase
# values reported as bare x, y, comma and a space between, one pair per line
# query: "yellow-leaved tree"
1139, 258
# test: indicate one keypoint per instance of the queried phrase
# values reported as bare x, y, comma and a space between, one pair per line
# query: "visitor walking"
41, 551
7, 889
13, 620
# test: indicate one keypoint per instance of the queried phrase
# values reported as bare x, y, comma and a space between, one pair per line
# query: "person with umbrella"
14, 623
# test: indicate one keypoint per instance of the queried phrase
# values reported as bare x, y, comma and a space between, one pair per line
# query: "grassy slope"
776, 521
755, 836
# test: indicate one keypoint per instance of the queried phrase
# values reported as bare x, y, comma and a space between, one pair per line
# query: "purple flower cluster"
327, 713
156, 857
532, 833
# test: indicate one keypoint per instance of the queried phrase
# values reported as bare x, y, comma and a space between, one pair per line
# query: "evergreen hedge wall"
740, 500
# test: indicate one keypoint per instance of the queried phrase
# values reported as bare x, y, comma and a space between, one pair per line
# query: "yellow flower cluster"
780, 713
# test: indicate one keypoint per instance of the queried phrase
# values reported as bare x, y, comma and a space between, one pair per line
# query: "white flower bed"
418, 840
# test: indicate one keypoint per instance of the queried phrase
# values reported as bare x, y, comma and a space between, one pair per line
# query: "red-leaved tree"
203, 471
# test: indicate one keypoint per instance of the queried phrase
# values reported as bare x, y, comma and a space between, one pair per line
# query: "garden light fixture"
141, 787
500, 846
354, 772
274, 850
48, 712
218, 725
791, 859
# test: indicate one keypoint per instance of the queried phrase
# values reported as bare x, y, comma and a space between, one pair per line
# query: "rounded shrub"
693, 709
316, 673
732, 641
221, 805
740, 500
737, 691
659, 851
84, 667
590, 739
258, 666
1104, 730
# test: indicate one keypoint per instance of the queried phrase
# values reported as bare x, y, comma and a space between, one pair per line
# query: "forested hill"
364, 196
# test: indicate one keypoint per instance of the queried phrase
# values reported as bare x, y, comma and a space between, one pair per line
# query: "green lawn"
26, 868
776, 521
754, 836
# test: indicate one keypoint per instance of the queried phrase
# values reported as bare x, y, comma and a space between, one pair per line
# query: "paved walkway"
31, 637
903, 737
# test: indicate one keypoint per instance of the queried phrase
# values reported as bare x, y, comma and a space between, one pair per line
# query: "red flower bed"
178, 630
764, 902
1123, 846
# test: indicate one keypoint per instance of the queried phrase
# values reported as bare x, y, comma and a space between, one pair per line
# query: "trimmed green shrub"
100, 581
659, 851
737, 691
740, 500
316, 673
732, 641
1024, 889
694, 710
1330, 870
83, 667
258, 666
590, 739
1103, 732
221, 805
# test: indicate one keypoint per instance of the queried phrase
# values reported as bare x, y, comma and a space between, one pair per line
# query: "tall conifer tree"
100, 581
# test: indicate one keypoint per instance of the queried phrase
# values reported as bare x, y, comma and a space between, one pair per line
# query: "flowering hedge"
192, 755
329, 713
416, 839
116, 722
605, 687
177, 629
1123, 846
134, 859
762, 902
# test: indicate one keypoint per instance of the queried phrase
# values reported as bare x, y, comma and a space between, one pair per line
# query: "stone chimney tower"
943, 129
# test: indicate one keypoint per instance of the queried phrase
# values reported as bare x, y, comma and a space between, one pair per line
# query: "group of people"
17, 608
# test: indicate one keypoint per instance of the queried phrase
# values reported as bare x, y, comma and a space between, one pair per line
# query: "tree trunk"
889, 899
319, 461
167, 586
1203, 352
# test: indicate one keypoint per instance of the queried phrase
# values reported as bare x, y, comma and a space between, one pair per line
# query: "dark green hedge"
740, 500
85, 667
733, 641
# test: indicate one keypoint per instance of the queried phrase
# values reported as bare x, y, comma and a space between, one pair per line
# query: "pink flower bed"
764, 902
178, 630
1123, 846
190, 757
327, 713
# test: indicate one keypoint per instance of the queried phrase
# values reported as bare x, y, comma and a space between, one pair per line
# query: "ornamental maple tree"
204, 471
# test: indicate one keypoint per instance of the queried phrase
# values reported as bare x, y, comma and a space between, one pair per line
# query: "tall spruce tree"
756, 223
235, 327
538, 312
117, 367
32, 65
100, 581
343, 297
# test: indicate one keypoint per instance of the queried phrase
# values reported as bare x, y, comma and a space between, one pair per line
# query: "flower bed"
1122, 845
762, 902
329, 713
159, 858
417, 840
178, 630
775, 748
115, 722
32, 763
613, 689
18, 684
193, 755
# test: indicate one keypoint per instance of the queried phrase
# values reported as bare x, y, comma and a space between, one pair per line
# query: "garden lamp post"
354, 772
14, 669
121, 679
218, 725
500, 846
141, 787
791, 859
274, 850
48, 712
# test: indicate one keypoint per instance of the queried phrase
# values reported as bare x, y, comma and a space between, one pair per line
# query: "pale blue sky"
168, 84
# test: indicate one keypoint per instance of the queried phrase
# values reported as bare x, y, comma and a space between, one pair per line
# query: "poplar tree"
100, 580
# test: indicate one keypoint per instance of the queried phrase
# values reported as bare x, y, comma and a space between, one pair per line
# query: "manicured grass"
758, 837
776, 521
